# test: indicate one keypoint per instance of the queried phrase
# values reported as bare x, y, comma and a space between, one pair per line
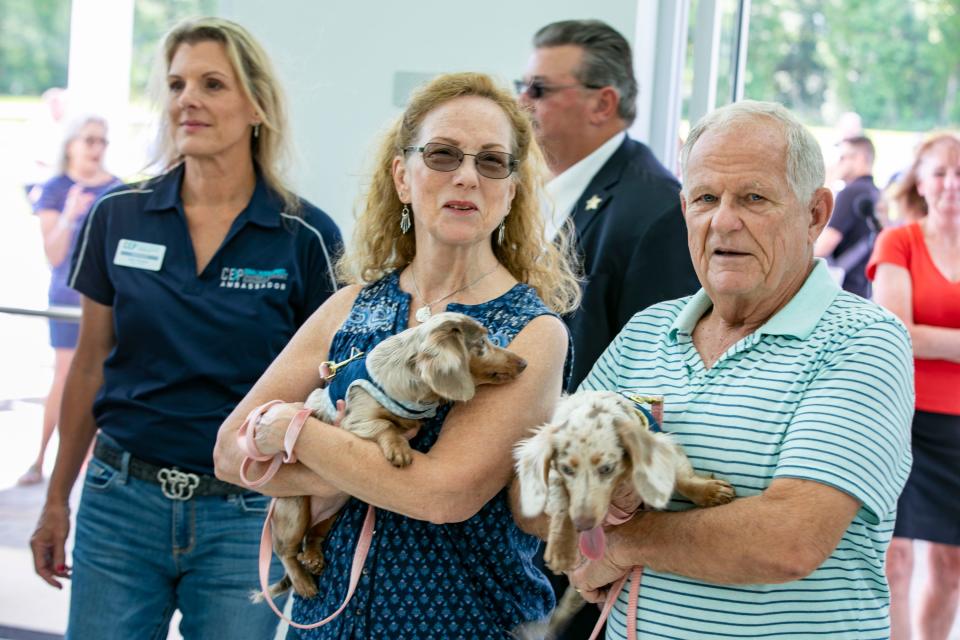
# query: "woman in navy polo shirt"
62, 207
191, 285
452, 221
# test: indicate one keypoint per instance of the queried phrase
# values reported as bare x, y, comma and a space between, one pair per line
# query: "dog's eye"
566, 470
605, 470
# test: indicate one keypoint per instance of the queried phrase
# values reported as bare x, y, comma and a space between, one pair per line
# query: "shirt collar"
797, 318
565, 189
263, 209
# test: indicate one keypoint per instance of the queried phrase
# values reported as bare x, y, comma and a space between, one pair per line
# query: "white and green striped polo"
823, 391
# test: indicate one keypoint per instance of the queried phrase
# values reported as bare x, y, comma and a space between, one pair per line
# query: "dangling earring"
500, 231
256, 130
405, 219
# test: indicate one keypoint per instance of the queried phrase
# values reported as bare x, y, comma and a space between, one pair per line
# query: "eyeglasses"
94, 140
538, 89
444, 157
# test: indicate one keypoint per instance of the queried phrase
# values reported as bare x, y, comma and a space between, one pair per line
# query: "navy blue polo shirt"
189, 346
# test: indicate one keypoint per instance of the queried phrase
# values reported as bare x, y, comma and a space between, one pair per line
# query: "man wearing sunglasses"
625, 205
581, 91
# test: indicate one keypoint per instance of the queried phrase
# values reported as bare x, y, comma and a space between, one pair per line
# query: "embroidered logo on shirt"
244, 278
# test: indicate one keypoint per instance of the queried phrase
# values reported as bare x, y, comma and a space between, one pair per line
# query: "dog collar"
652, 416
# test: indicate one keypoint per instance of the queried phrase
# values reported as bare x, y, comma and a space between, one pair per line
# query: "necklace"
423, 313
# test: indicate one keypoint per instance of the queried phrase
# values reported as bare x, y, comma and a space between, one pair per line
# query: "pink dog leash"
635, 575
615, 516
248, 444
356, 569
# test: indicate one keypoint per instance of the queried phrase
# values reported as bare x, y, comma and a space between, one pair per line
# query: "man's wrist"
624, 542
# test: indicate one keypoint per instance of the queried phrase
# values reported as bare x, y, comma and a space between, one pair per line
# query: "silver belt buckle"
177, 485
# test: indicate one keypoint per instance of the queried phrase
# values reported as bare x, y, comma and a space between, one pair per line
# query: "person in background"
45, 131
581, 93
452, 222
61, 208
915, 270
847, 240
192, 283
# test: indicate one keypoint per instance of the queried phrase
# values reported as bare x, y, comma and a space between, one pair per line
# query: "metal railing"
54, 312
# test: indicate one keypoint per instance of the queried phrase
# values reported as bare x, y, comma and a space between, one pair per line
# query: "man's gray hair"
607, 59
805, 170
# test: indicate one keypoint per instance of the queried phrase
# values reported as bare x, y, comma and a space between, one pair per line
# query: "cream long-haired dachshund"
570, 468
401, 381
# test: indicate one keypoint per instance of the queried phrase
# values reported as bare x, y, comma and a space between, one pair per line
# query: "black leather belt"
176, 484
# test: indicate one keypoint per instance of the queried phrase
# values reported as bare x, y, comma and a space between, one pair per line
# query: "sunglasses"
538, 89
444, 157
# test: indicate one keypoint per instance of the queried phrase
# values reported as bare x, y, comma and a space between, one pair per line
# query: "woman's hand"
77, 203
48, 543
271, 427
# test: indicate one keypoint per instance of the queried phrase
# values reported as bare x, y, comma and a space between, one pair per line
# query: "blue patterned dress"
471, 579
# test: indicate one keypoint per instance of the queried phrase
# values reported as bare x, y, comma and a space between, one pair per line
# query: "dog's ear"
533, 457
651, 458
443, 362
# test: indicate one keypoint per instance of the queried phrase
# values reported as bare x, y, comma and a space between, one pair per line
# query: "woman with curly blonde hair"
380, 246
451, 222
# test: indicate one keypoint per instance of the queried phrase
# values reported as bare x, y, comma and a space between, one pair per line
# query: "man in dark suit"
625, 205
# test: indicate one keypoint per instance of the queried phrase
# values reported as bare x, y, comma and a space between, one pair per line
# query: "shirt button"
365, 571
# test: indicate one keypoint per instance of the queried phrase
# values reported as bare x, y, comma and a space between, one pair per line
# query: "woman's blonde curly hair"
379, 247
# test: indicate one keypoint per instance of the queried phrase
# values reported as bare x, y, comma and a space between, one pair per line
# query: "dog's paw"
559, 560
716, 492
398, 455
312, 560
304, 587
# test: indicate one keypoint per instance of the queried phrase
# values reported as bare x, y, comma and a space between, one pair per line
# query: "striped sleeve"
851, 430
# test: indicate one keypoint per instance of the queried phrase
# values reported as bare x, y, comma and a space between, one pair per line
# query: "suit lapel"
600, 191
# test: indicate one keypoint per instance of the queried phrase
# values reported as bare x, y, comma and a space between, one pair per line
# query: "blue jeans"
138, 556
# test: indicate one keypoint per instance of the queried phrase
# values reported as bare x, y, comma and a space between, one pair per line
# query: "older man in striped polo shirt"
798, 393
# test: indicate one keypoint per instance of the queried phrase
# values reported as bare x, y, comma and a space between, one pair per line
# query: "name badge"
139, 255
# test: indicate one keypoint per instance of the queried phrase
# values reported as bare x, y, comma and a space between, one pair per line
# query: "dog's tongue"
593, 542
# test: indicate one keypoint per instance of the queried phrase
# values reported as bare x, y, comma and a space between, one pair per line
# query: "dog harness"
357, 374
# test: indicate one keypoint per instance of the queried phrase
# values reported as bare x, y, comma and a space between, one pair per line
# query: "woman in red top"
916, 274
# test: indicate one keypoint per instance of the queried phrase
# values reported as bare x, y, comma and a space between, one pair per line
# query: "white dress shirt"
564, 190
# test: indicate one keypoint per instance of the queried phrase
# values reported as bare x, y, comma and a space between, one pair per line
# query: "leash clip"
334, 366
177, 485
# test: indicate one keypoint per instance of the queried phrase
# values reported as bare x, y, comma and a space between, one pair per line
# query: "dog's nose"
521, 365
584, 524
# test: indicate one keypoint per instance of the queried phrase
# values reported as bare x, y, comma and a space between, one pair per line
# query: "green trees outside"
896, 63
34, 45
35, 41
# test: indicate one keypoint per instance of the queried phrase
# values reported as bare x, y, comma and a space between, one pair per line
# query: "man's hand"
592, 579
48, 544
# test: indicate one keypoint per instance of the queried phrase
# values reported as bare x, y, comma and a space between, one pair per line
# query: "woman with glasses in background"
451, 222
62, 206
192, 282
